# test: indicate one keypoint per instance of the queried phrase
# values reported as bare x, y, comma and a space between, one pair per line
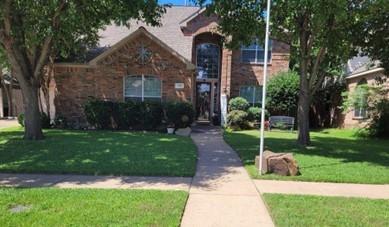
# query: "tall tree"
316, 30
32, 30
373, 31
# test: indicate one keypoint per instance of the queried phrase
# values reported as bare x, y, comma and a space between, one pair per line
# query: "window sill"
360, 118
255, 64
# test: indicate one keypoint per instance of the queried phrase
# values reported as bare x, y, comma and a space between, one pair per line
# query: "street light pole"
261, 145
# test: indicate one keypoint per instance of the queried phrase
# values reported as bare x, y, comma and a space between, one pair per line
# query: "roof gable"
132, 36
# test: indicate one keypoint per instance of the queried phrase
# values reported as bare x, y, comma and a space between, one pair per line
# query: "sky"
175, 2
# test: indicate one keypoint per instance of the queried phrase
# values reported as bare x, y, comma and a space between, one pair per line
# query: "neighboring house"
11, 100
362, 70
182, 60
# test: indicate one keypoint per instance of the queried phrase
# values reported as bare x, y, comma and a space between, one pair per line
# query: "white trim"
365, 73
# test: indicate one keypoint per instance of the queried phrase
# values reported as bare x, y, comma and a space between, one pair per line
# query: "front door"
203, 101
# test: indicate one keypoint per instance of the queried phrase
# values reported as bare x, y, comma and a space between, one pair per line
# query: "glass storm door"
203, 101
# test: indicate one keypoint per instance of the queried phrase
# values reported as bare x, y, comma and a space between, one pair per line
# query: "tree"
317, 31
31, 31
373, 30
282, 94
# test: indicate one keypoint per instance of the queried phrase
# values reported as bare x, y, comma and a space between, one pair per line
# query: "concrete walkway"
80, 181
8, 123
323, 189
222, 194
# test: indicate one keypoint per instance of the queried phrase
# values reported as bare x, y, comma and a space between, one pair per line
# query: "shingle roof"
169, 32
360, 64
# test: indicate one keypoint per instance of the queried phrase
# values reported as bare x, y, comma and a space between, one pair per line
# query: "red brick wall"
252, 74
105, 80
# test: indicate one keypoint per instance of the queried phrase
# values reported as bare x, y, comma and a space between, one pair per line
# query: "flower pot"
170, 130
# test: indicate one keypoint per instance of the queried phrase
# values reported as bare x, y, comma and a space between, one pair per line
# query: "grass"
98, 153
297, 210
335, 155
91, 207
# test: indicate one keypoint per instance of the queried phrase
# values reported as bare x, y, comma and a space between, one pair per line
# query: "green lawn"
335, 155
87, 207
297, 210
98, 153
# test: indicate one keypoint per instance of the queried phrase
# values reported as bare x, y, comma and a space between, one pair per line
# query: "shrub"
237, 120
282, 94
21, 119
98, 113
151, 115
60, 122
379, 125
45, 120
238, 103
254, 114
181, 114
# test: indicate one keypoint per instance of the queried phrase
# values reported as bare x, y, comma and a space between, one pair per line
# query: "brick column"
225, 83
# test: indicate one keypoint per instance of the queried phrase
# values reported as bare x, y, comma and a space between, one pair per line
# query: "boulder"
279, 163
183, 131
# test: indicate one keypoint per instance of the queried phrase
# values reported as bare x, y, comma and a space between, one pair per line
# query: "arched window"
207, 60
142, 88
360, 102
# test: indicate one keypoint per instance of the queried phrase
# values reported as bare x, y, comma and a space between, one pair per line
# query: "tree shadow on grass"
98, 153
373, 151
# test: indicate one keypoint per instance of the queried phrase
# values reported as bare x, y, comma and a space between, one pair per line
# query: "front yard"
297, 210
98, 153
335, 155
90, 207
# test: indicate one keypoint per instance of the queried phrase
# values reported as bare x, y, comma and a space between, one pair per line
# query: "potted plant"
170, 128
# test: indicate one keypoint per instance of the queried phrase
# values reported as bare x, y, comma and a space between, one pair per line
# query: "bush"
238, 103
181, 114
282, 94
60, 122
238, 120
45, 120
21, 119
136, 115
379, 126
254, 114
98, 113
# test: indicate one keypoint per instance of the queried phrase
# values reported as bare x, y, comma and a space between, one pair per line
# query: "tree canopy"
319, 33
31, 31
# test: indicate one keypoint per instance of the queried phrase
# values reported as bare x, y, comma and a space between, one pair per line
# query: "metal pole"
261, 145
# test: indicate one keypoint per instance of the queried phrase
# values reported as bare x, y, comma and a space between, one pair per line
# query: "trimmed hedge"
137, 115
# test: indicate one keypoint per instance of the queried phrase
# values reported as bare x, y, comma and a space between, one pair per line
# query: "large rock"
279, 163
183, 131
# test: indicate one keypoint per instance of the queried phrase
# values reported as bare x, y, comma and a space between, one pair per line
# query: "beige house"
362, 70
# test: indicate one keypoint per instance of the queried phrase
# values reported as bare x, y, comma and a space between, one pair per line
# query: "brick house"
362, 70
184, 60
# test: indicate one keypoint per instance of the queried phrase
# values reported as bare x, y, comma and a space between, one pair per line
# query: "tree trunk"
10, 99
303, 112
32, 115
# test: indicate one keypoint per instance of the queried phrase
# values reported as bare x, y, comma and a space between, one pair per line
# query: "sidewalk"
222, 194
80, 181
323, 189
8, 123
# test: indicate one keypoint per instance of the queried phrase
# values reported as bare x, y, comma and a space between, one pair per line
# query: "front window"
142, 88
255, 52
360, 102
207, 60
253, 94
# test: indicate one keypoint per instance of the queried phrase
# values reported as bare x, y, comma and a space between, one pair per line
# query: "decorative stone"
183, 131
20, 208
279, 163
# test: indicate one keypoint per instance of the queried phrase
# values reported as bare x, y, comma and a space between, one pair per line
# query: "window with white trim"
253, 94
255, 52
142, 88
360, 102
